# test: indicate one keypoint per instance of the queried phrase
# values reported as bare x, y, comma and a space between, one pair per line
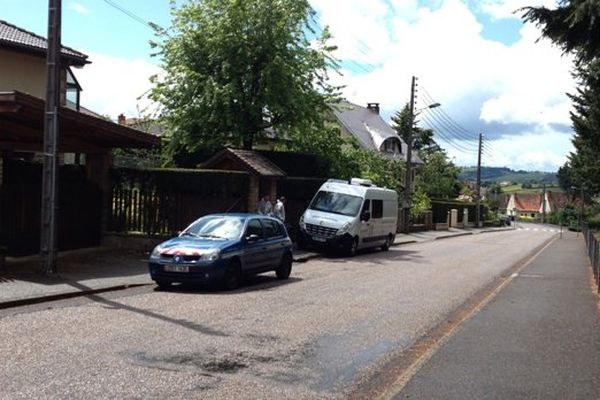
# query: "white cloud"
79, 8
502, 9
112, 85
522, 83
532, 151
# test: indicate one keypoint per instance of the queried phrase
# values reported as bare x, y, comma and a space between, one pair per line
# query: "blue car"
223, 248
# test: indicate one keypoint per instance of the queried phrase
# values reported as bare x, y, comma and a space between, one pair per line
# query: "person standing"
279, 209
264, 206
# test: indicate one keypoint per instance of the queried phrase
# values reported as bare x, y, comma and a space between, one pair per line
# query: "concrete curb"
67, 295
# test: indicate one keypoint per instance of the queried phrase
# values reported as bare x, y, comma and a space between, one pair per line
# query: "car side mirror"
366, 216
252, 238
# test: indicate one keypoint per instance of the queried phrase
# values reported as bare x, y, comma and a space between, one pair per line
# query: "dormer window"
73, 90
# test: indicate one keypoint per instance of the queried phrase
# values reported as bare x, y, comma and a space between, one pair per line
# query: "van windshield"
337, 203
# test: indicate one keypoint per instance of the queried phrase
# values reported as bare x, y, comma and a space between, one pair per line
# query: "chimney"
121, 119
373, 107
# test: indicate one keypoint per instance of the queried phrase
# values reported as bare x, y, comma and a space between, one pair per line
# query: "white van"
350, 215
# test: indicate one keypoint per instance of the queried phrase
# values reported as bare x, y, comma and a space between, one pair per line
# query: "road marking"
412, 370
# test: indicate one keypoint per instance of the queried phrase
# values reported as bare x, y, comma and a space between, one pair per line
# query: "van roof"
356, 190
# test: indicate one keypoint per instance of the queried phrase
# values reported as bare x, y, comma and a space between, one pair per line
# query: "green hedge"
207, 182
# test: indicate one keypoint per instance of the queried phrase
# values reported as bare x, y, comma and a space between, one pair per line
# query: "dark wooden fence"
161, 213
163, 202
79, 217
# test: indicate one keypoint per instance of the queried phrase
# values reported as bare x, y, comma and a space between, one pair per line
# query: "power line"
132, 15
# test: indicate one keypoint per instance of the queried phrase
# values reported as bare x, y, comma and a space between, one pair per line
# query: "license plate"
319, 239
177, 268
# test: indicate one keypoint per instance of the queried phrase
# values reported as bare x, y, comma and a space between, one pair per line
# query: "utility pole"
51, 117
408, 178
478, 211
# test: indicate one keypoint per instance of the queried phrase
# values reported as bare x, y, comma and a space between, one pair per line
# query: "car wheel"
163, 285
388, 243
353, 247
285, 267
233, 276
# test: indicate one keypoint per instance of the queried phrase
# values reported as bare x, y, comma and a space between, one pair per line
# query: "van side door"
377, 220
366, 227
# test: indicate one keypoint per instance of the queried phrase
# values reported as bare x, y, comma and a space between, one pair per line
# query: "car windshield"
337, 203
216, 227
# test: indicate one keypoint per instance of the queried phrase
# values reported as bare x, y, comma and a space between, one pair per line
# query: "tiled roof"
251, 160
528, 202
13, 36
367, 126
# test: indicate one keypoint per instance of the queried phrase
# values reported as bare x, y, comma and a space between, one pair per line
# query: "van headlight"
344, 229
301, 223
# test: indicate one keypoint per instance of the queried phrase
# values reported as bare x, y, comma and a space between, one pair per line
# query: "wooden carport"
22, 128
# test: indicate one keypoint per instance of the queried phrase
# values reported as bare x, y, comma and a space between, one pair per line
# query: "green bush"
593, 222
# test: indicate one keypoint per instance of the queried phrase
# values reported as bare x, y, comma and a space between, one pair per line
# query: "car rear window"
272, 228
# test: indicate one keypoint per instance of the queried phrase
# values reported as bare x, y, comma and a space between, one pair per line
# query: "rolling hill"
503, 174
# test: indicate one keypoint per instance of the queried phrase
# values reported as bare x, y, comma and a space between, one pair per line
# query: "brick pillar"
253, 193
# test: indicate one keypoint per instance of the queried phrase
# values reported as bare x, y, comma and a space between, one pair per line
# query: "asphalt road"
327, 332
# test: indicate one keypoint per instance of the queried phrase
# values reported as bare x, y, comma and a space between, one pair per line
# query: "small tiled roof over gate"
249, 160
20, 39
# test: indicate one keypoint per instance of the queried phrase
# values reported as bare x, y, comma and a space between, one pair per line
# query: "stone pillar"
465, 217
453, 217
253, 193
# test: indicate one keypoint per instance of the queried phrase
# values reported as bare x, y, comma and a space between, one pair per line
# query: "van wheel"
388, 243
233, 276
353, 247
285, 268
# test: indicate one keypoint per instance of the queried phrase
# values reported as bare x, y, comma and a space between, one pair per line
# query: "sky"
491, 73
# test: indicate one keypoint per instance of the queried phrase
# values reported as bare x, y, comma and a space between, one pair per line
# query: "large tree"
234, 68
583, 166
574, 25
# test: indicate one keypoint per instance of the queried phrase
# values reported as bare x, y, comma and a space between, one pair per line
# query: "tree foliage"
574, 26
235, 68
438, 177
584, 163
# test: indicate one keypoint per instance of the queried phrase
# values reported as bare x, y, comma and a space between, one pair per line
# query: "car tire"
285, 267
233, 276
388, 242
163, 285
352, 247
